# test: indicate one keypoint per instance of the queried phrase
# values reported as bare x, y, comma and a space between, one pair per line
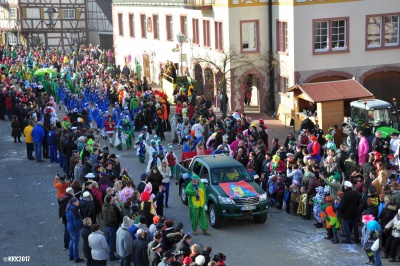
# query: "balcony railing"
199, 4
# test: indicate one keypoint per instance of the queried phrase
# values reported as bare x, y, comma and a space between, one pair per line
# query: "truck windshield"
230, 174
380, 117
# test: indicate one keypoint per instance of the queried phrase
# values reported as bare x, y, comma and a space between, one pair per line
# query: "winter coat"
184, 246
154, 259
74, 219
396, 198
395, 223
52, 138
38, 134
87, 209
124, 242
294, 193
110, 217
349, 204
27, 133
388, 213
16, 129
140, 252
61, 187
85, 245
98, 243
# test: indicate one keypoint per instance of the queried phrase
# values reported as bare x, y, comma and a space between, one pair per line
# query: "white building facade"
320, 41
145, 32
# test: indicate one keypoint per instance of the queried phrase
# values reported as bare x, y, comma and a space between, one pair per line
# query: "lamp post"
181, 39
17, 23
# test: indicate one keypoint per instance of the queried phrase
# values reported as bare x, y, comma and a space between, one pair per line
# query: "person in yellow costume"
196, 193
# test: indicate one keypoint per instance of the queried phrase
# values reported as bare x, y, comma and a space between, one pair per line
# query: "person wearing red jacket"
315, 149
110, 127
179, 107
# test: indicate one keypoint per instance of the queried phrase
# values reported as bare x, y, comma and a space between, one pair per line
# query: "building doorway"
251, 94
208, 90
198, 76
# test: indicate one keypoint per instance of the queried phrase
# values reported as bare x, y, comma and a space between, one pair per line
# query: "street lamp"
17, 23
181, 39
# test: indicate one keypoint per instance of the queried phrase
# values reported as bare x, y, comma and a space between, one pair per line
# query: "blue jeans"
38, 150
377, 257
53, 153
66, 164
111, 239
166, 192
354, 223
66, 236
73, 249
61, 159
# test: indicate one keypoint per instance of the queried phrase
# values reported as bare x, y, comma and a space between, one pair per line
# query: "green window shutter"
60, 13
42, 13
23, 13
78, 13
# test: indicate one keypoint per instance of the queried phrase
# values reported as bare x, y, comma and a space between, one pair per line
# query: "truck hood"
240, 189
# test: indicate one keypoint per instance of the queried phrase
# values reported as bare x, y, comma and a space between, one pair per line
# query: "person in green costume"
127, 129
138, 70
196, 193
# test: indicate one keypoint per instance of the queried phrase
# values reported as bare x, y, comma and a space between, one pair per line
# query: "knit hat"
200, 260
73, 200
348, 184
86, 194
143, 176
187, 260
68, 189
126, 223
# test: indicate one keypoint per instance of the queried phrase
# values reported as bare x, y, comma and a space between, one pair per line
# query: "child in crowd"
302, 208
295, 195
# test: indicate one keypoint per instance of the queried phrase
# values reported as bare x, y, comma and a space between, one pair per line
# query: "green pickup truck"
230, 191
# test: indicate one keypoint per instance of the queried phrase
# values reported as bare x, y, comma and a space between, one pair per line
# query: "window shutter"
6, 13
3, 38
42, 13
60, 13
78, 13
23, 11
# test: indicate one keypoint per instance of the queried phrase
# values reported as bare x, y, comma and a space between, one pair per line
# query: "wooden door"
198, 76
146, 67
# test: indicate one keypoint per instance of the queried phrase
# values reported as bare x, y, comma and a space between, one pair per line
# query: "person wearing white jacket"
98, 243
394, 240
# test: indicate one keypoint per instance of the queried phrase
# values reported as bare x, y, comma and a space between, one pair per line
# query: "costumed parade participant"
141, 147
127, 129
196, 193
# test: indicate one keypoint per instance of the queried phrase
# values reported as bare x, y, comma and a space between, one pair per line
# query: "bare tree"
224, 65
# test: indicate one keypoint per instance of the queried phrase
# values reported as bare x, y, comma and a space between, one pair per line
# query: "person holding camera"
60, 184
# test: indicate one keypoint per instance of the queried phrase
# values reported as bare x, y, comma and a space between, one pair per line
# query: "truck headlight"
225, 200
263, 197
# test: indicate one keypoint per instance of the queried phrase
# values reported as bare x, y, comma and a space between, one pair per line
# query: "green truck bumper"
229, 211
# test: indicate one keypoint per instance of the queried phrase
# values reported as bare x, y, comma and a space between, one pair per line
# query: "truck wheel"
215, 221
260, 219
183, 194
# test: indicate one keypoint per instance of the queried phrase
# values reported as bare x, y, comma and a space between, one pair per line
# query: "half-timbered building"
59, 24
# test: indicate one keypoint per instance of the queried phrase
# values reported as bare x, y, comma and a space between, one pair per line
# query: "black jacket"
349, 204
88, 209
85, 235
140, 252
183, 246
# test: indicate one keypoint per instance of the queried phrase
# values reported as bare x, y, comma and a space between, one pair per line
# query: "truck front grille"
246, 201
